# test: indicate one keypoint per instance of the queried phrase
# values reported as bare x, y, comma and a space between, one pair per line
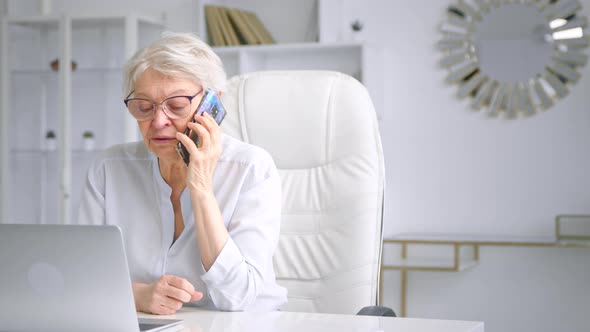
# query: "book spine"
244, 31
265, 36
213, 28
230, 36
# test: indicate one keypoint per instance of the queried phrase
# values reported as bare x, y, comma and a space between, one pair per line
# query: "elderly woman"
202, 234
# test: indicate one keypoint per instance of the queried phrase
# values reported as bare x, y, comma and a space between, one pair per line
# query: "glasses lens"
177, 107
140, 109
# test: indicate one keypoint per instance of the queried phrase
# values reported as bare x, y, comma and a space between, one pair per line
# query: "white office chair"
321, 129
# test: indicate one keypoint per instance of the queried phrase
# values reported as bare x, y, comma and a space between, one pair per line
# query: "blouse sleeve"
244, 265
92, 203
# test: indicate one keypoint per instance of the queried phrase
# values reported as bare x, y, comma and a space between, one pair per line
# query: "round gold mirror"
515, 57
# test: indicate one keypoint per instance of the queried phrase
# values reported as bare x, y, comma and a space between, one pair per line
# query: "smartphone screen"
211, 104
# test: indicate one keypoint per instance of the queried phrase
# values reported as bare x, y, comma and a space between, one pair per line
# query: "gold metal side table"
459, 262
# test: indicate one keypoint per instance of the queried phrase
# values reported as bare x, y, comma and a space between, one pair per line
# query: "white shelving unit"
319, 44
335, 56
41, 185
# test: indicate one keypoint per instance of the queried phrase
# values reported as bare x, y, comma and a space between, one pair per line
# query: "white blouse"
124, 188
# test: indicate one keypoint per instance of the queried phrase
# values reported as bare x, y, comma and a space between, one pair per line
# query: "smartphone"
211, 104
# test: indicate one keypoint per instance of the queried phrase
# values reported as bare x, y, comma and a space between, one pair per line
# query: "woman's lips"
163, 140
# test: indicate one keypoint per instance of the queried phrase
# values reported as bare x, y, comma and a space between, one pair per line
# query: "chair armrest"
376, 310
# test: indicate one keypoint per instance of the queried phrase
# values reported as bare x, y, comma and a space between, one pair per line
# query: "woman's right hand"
165, 296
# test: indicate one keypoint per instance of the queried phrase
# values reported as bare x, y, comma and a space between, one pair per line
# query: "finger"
178, 294
211, 124
198, 114
170, 303
208, 121
163, 310
196, 296
212, 127
162, 305
204, 135
188, 143
180, 283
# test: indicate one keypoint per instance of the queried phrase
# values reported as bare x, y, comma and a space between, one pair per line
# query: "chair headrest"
282, 111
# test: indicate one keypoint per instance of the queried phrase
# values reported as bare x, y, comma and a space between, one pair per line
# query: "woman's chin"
165, 152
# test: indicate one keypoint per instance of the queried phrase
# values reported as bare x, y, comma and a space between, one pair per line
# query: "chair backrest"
321, 129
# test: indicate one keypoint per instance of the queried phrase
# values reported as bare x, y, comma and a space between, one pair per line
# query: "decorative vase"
89, 143
88, 140
357, 36
50, 141
51, 144
356, 31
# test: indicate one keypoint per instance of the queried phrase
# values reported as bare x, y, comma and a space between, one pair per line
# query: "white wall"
455, 170
450, 169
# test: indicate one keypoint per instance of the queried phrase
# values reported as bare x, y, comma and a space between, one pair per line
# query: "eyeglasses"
176, 107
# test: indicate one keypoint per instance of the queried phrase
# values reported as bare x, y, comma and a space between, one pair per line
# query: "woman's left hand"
204, 158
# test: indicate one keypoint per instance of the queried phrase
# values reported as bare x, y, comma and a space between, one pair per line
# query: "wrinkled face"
159, 133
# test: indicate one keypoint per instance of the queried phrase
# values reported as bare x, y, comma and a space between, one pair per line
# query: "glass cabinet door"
29, 48
46, 164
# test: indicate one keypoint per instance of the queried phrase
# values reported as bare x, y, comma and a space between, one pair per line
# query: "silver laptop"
67, 278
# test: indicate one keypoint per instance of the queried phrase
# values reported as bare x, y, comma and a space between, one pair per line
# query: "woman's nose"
160, 118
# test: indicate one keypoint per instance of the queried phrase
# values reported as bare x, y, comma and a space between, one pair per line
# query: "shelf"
81, 21
430, 264
44, 22
101, 20
483, 240
467, 239
53, 152
347, 58
288, 48
48, 71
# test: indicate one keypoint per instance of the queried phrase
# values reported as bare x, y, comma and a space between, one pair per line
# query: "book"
229, 33
213, 26
246, 35
258, 28
231, 27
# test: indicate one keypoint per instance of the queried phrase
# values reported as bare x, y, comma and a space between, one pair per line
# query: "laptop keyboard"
147, 326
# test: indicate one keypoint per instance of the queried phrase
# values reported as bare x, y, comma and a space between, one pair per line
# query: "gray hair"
179, 55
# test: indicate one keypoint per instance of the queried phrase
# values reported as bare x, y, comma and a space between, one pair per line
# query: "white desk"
197, 320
